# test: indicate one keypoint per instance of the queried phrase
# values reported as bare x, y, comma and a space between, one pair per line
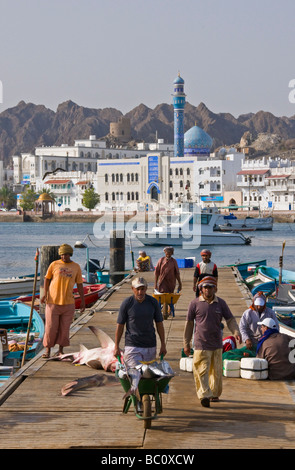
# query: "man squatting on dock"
206, 313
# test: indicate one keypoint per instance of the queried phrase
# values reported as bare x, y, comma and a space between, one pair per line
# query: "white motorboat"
286, 317
191, 228
10, 287
227, 224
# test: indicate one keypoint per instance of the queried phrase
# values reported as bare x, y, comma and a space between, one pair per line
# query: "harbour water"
20, 240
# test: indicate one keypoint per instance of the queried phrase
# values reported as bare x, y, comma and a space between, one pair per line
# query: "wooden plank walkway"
252, 414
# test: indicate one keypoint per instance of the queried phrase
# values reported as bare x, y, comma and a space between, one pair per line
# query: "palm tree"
47, 191
7, 197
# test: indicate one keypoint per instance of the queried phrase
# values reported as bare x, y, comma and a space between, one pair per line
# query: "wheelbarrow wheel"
147, 411
165, 311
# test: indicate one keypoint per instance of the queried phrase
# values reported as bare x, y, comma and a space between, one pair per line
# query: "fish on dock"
96, 358
134, 376
96, 380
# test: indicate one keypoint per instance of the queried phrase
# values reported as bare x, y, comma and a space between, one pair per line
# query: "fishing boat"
267, 274
282, 295
92, 292
244, 224
247, 267
15, 286
286, 317
268, 288
191, 227
14, 319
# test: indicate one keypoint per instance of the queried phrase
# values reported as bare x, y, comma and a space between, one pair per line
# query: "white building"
68, 188
214, 176
129, 178
268, 183
6, 176
82, 156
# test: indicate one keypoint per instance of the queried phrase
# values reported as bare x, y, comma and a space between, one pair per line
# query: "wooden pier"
250, 415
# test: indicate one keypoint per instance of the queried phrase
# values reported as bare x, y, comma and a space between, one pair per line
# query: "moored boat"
267, 274
268, 288
92, 292
246, 223
14, 319
248, 267
192, 227
15, 286
286, 317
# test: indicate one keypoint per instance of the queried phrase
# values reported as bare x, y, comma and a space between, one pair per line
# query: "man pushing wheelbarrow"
139, 313
166, 275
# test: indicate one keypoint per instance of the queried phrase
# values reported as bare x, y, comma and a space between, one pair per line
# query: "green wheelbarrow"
150, 403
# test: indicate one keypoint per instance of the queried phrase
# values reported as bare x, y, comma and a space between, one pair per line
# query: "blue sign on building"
212, 198
153, 169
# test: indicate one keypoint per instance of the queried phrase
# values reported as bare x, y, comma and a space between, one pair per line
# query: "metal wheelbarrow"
149, 405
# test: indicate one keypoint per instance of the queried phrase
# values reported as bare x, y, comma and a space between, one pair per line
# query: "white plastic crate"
231, 368
186, 363
254, 368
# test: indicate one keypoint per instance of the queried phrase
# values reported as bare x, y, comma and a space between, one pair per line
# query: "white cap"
259, 301
269, 322
139, 282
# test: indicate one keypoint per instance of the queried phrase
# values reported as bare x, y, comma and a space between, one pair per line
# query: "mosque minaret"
178, 104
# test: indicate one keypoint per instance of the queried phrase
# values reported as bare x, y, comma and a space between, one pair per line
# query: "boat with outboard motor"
194, 226
227, 224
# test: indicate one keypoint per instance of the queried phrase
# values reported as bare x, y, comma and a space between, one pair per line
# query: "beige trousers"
207, 370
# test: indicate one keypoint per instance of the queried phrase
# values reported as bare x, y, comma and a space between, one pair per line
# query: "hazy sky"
235, 56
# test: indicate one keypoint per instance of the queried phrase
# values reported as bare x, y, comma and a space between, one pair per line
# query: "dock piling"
48, 254
117, 255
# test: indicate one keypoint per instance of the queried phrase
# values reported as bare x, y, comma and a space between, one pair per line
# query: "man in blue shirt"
139, 312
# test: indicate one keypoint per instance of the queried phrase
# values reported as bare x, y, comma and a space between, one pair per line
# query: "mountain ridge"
27, 125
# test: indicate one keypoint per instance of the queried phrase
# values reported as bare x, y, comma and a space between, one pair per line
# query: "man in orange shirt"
59, 282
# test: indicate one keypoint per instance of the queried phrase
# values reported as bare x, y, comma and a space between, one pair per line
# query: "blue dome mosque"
195, 141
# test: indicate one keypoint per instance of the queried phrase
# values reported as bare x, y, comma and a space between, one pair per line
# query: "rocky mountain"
27, 125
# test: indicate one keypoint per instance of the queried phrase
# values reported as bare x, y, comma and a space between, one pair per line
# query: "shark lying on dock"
96, 358
92, 381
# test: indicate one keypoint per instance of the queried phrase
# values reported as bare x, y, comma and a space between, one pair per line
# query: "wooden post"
146, 217
281, 263
32, 308
48, 255
117, 255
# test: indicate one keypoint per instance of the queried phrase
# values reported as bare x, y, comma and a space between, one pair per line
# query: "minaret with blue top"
178, 104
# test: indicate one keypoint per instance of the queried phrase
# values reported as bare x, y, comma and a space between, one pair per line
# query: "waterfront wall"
80, 217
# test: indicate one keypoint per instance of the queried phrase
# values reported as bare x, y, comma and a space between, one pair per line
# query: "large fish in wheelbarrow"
96, 358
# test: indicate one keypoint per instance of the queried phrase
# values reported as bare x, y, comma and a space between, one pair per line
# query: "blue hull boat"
268, 274
248, 267
14, 319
